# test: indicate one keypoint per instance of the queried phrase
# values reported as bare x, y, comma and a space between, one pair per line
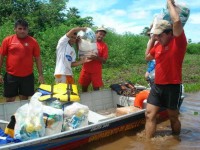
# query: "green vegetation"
126, 52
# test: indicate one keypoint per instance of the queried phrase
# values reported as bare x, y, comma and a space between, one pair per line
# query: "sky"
133, 15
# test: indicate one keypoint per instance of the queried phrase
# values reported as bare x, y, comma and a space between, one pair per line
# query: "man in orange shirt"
92, 71
20, 50
169, 52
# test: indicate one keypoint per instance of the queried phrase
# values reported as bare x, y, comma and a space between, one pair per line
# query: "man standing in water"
169, 54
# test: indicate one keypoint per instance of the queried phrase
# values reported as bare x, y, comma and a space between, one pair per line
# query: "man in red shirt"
168, 53
20, 50
92, 71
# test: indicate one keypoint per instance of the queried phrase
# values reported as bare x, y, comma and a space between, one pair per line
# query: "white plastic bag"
88, 35
87, 44
53, 119
86, 48
29, 120
75, 116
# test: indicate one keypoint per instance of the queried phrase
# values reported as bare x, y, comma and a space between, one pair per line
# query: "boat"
101, 125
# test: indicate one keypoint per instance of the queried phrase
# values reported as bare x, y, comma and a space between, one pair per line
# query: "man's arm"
96, 57
1, 64
80, 62
104, 57
177, 25
75, 30
150, 45
38, 62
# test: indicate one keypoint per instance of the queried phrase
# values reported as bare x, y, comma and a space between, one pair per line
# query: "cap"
161, 26
101, 29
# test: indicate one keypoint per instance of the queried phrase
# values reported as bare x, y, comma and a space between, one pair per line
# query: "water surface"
188, 139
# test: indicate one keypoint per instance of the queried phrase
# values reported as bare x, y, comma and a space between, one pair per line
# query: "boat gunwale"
108, 120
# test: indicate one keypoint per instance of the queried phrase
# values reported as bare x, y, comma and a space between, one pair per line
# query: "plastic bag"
88, 35
86, 48
53, 119
182, 9
29, 120
75, 116
87, 44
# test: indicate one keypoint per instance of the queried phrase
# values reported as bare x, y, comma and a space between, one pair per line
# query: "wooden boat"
100, 126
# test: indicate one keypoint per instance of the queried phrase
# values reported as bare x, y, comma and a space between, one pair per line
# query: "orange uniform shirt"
19, 53
95, 66
168, 69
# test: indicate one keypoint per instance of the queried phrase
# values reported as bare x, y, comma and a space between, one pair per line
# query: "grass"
135, 73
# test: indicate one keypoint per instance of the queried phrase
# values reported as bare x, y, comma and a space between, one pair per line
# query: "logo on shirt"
25, 44
69, 58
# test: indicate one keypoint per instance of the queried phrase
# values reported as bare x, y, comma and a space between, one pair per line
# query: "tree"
72, 13
189, 41
42, 14
39, 14
73, 18
144, 31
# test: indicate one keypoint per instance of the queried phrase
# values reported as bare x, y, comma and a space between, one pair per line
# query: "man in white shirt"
66, 57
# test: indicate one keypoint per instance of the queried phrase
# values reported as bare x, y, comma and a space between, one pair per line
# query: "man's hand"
41, 79
171, 1
93, 56
85, 60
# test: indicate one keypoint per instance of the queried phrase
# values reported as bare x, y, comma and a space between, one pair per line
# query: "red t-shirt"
95, 66
20, 53
168, 69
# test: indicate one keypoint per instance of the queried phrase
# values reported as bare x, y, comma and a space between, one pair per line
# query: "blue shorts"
167, 96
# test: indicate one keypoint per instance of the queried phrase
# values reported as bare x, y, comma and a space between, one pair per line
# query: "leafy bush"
193, 48
125, 49
126, 57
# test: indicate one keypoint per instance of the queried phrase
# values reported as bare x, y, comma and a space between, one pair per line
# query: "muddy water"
188, 139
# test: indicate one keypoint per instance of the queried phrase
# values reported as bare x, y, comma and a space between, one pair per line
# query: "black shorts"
14, 86
167, 96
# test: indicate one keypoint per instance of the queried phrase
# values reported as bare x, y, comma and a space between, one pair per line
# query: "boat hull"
77, 137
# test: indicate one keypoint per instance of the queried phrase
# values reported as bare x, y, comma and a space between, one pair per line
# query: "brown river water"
135, 140
188, 139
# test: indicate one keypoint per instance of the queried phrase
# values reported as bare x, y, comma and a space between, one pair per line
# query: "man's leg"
26, 87
84, 88
10, 99
174, 120
10, 87
96, 88
150, 114
22, 97
96, 81
84, 80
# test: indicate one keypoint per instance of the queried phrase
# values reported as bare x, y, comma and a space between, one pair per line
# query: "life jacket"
62, 91
9, 130
140, 97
